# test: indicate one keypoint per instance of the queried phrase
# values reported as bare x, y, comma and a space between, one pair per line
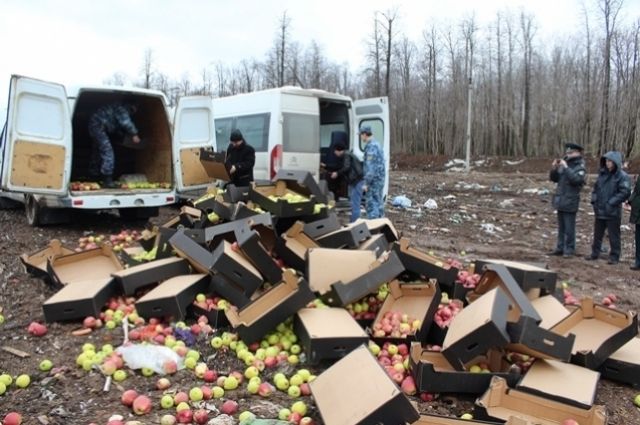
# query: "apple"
45, 365
163, 384
12, 418
201, 416
181, 397
229, 407
166, 402
466, 416
231, 383
119, 375
206, 392
408, 385
169, 367
306, 421
23, 381
570, 422
141, 405
37, 329
636, 400
195, 394
168, 420
210, 376
299, 407
217, 392
284, 414
295, 418
185, 416
128, 397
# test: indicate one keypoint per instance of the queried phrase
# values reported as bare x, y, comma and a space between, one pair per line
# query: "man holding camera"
569, 173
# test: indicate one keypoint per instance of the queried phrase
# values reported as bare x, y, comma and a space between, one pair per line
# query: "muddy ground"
499, 210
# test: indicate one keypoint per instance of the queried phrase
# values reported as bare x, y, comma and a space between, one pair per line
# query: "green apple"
166, 401
45, 365
23, 381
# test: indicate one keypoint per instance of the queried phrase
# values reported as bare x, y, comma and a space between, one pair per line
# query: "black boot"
108, 183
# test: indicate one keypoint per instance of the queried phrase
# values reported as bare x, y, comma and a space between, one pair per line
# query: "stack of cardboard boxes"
271, 265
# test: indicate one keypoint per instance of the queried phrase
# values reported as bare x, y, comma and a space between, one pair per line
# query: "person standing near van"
352, 172
610, 191
109, 120
569, 173
240, 159
374, 173
634, 218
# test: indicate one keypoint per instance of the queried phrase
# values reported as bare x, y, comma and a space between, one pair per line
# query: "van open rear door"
193, 128
36, 156
374, 112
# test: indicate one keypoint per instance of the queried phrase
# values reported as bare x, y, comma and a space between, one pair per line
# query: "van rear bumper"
109, 200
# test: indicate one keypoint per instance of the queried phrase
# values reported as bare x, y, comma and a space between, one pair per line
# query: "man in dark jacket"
352, 172
109, 120
240, 159
569, 173
612, 188
634, 201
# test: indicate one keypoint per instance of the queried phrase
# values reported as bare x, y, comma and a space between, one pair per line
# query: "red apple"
37, 329
89, 322
229, 407
201, 416
128, 397
12, 418
142, 405
210, 376
185, 416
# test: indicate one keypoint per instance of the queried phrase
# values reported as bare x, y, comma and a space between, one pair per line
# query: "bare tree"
528, 31
147, 69
283, 35
117, 79
374, 55
388, 37
469, 29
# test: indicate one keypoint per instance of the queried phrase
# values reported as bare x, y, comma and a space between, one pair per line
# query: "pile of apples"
454, 263
395, 325
467, 279
569, 298
210, 303
394, 359
610, 300
145, 185
119, 241
367, 307
84, 186
292, 198
447, 310
523, 361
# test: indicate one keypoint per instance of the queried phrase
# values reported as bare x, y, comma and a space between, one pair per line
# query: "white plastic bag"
154, 357
431, 204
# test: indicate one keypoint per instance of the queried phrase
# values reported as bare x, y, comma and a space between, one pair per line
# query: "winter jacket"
351, 168
570, 181
634, 201
243, 157
611, 188
114, 118
374, 169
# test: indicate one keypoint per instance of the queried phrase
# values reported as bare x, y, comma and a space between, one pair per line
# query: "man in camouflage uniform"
109, 120
374, 174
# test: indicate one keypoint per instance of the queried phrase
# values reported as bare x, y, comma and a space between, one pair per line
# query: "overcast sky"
82, 41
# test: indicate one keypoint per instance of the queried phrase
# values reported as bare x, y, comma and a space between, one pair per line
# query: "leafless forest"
523, 93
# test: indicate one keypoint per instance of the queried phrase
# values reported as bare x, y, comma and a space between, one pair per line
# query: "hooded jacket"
611, 189
244, 158
570, 181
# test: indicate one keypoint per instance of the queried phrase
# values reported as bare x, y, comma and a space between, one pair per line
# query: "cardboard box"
79, 299
550, 310
477, 328
302, 182
528, 276
382, 226
92, 265
447, 420
350, 236
251, 245
35, 263
356, 390
292, 247
327, 333
198, 257
376, 243
433, 373
417, 300
236, 267
424, 264
318, 228
172, 297
600, 331
186, 218
624, 365
342, 276
229, 290
233, 193
271, 308
213, 164
153, 272
212, 236
548, 378
280, 207
217, 319
500, 402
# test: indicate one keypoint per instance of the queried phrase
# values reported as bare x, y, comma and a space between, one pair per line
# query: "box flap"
351, 402
79, 290
95, 264
328, 266
38, 259
144, 267
330, 323
550, 310
549, 378
172, 286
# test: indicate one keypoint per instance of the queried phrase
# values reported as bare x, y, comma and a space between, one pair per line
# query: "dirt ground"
499, 210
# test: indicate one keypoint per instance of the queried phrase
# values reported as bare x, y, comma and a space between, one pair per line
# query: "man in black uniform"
240, 160
569, 173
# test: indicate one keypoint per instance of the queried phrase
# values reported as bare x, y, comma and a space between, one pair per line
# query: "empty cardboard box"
214, 164
600, 331
199, 257
500, 403
343, 276
624, 365
350, 236
528, 276
356, 390
229, 290
433, 373
145, 274
382, 226
236, 267
419, 301
92, 265
424, 264
79, 299
35, 263
264, 313
251, 245
321, 227
327, 333
292, 247
172, 297
477, 328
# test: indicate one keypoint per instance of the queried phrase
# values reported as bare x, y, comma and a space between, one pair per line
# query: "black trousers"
566, 233
612, 226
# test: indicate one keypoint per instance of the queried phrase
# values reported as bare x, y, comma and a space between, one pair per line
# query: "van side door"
373, 112
300, 134
37, 144
193, 129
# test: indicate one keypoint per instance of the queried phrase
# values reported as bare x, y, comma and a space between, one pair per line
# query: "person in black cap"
240, 159
569, 173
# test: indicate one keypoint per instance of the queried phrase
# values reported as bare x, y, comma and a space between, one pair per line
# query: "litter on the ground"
401, 201
431, 204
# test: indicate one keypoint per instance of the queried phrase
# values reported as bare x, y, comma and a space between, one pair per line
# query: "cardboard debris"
356, 390
250, 243
446, 420
236, 267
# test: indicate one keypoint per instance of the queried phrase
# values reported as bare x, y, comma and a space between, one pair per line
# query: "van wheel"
33, 211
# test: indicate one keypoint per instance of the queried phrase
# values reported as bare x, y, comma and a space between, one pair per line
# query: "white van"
289, 127
45, 145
